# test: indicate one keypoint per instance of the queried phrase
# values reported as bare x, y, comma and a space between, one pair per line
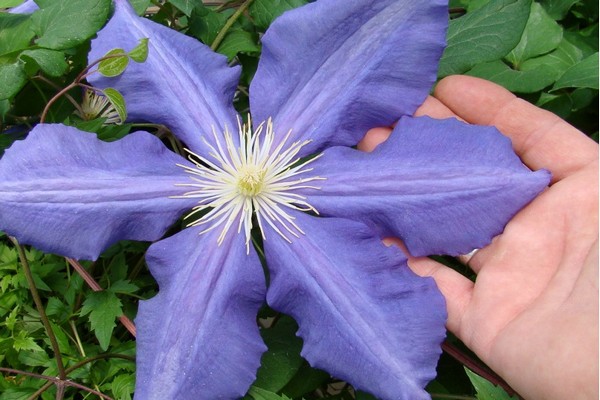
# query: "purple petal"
442, 186
64, 191
331, 70
198, 338
183, 84
27, 7
363, 315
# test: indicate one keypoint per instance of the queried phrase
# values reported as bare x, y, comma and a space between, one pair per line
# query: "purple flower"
329, 71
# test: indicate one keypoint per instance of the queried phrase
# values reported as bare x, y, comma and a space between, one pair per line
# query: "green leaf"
52, 62
205, 24
114, 65
10, 3
140, 52
123, 286
103, 308
541, 35
117, 100
238, 41
64, 24
486, 34
140, 6
584, 74
565, 56
486, 390
12, 79
515, 81
557, 9
262, 394
122, 386
15, 32
4, 107
34, 358
185, 6
24, 342
282, 360
263, 12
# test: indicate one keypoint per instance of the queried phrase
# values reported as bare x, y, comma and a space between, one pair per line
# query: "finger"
431, 107
541, 138
456, 289
435, 109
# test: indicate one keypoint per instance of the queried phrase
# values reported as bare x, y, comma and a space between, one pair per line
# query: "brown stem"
91, 282
40, 308
477, 367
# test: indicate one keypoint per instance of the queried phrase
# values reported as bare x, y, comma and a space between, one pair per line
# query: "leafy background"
545, 51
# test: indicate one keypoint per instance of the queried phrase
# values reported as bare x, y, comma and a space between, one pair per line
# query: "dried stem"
40, 308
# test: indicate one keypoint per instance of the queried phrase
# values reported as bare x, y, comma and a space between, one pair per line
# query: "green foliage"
486, 390
546, 51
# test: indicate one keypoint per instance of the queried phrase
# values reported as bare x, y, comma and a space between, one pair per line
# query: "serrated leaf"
122, 386
584, 74
261, 394
118, 102
263, 12
541, 35
282, 359
483, 35
486, 390
34, 358
52, 62
140, 6
15, 32
140, 52
64, 24
23, 342
103, 308
115, 64
238, 41
515, 81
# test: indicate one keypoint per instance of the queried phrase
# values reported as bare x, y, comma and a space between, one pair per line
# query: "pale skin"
532, 314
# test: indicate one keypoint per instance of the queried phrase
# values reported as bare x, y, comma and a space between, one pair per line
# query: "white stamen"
252, 178
96, 105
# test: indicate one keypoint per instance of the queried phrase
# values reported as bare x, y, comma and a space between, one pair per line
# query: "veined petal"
363, 315
182, 84
64, 191
442, 186
198, 338
331, 70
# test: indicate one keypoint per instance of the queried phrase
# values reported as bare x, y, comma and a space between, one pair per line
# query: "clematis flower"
328, 72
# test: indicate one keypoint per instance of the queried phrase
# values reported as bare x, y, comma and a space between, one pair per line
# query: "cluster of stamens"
254, 178
96, 105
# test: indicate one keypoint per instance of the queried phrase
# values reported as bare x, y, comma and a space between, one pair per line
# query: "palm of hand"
532, 314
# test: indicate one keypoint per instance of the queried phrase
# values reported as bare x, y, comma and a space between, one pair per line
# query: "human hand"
532, 314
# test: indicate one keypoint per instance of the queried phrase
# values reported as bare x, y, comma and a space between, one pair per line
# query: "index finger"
542, 139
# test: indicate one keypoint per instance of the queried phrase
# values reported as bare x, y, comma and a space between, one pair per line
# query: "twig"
40, 308
125, 321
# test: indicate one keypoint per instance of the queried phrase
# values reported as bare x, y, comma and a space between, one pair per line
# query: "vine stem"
229, 24
40, 307
476, 367
95, 286
57, 381
76, 82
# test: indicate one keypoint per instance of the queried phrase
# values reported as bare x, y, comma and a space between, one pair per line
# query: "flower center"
251, 181
255, 178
